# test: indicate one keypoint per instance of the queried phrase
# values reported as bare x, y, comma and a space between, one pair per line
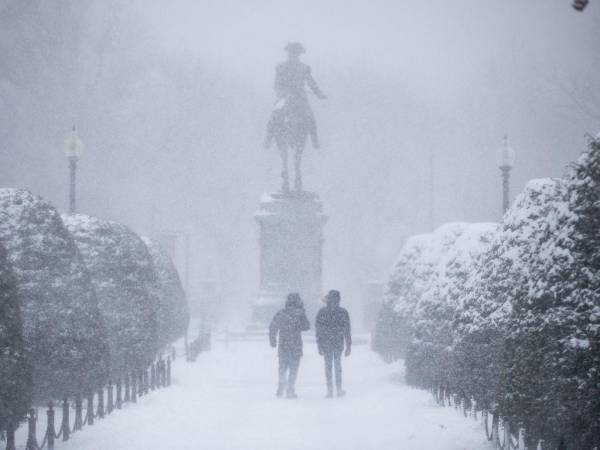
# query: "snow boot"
341, 392
291, 394
279, 392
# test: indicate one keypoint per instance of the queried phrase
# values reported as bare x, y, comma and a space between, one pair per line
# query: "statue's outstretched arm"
312, 84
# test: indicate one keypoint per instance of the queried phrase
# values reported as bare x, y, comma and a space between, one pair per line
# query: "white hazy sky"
172, 97
405, 78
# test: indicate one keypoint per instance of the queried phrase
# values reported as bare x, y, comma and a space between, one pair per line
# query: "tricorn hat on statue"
295, 48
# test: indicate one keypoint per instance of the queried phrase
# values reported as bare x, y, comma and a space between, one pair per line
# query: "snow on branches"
173, 316
510, 315
62, 327
15, 372
126, 285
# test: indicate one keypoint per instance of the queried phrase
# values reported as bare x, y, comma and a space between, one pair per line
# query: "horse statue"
292, 120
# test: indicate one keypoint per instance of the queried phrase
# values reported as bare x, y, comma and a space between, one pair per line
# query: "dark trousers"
288, 371
333, 359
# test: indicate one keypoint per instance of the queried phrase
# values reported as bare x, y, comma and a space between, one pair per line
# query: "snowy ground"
226, 401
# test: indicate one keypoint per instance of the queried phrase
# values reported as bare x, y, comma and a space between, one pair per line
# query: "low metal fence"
501, 432
82, 410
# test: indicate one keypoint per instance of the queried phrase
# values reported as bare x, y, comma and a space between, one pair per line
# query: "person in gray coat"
333, 331
288, 324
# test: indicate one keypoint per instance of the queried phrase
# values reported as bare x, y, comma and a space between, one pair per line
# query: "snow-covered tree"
392, 332
552, 351
428, 362
580, 289
124, 278
528, 328
510, 315
528, 366
62, 327
410, 278
173, 316
15, 372
482, 353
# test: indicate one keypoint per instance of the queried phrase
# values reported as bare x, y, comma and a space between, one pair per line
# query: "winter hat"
333, 297
293, 300
295, 48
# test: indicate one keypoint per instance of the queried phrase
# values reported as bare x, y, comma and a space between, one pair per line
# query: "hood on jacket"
293, 301
333, 298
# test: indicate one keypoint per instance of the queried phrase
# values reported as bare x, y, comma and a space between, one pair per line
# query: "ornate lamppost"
505, 157
73, 148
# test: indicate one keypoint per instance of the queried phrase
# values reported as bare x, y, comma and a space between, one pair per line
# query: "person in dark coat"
289, 323
333, 331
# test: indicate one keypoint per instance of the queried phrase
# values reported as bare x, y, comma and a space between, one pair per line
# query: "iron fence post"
507, 435
153, 376
522, 438
90, 408
145, 380
133, 388
495, 437
101, 403
119, 393
127, 389
50, 431
10, 436
140, 382
168, 371
65, 420
78, 412
109, 404
31, 431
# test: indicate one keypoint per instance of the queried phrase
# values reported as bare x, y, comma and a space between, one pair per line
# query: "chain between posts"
500, 434
155, 376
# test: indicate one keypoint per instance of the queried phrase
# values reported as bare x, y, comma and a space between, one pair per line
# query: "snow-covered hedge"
428, 359
510, 316
15, 372
126, 285
62, 327
410, 278
553, 362
503, 284
173, 315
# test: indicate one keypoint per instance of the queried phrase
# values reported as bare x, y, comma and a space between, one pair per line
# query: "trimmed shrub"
511, 316
415, 265
173, 315
428, 362
62, 328
124, 279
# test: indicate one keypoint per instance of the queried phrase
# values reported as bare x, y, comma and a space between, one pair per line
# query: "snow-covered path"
226, 401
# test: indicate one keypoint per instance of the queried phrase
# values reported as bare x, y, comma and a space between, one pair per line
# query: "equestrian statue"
292, 120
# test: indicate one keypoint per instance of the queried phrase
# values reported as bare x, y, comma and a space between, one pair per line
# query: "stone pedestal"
291, 252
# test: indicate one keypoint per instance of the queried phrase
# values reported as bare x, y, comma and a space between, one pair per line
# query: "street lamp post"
506, 159
73, 148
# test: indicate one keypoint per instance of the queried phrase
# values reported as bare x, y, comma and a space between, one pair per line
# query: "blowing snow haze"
169, 280
172, 99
